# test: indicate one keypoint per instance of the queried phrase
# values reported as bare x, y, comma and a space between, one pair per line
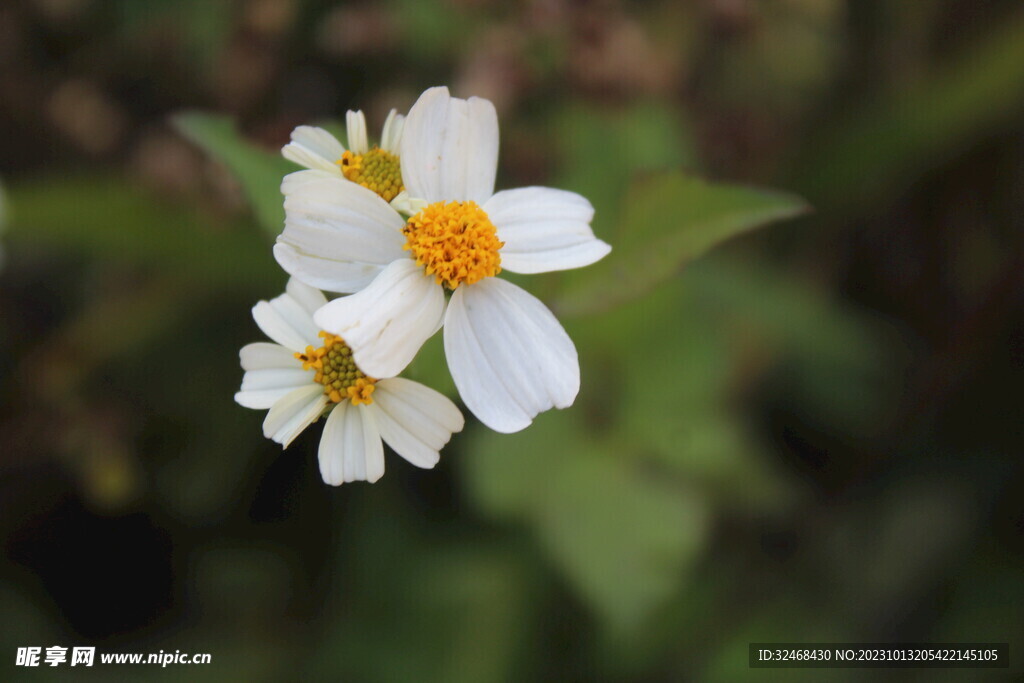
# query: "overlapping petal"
510, 358
544, 230
284, 320
350, 448
450, 148
414, 420
387, 323
261, 389
314, 148
337, 235
340, 220
294, 412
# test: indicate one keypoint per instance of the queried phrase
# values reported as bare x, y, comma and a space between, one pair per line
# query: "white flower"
508, 355
375, 168
308, 373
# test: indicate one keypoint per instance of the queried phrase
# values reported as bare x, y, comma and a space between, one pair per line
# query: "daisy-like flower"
375, 168
508, 355
309, 373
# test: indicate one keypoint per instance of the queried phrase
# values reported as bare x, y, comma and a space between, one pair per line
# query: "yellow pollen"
337, 371
376, 170
454, 241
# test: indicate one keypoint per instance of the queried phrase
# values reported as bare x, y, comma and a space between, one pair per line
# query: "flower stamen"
337, 371
454, 241
377, 170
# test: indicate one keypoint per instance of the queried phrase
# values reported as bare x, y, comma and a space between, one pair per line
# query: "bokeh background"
810, 432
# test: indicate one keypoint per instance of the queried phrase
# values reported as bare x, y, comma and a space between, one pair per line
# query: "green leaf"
669, 220
880, 149
821, 342
603, 148
104, 218
460, 608
259, 171
623, 534
686, 421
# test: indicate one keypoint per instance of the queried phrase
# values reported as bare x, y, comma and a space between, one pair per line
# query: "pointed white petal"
263, 355
261, 399
414, 420
298, 409
450, 148
544, 230
334, 219
387, 323
310, 298
350, 448
355, 124
510, 358
391, 137
332, 276
314, 148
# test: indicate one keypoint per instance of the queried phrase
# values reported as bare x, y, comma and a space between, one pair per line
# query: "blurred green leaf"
621, 533
107, 219
668, 220
258, 171
822, 343
676, 372
602, 149
879, 150
458, 611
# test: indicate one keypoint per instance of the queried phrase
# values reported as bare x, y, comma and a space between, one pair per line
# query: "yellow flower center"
376, 170
455, 241
337, 371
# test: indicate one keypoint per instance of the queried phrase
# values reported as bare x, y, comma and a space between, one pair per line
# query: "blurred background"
811, 432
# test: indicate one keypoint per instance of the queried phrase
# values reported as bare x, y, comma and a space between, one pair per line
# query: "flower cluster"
414, 233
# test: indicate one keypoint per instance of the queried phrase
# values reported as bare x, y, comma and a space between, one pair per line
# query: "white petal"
310, 298
544, 230
294, 412
277, 378
334, 219
510, 358
355, 124
414, 420
296, 178
314, 148
350, 448
406, 204
261, 399
450, 148
263, 355
387, 323
333, 276
391, 136
284, 320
